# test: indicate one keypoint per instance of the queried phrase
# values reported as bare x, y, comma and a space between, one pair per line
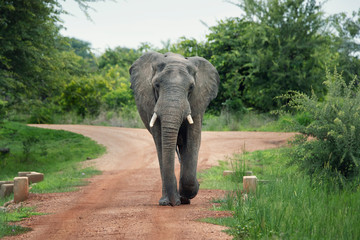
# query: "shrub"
119, 98
2, 109
330, 145
84, 95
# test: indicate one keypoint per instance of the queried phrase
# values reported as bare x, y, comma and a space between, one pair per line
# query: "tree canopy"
275, 47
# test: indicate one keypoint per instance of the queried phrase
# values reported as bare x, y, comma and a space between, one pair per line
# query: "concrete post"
6, 189
249, 184
23, 174
21, 189
35, 177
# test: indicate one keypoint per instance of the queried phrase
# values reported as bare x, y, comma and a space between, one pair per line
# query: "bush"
84, 94
330, 145
119, 98
2, 109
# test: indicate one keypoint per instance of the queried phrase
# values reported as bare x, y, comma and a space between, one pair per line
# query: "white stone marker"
21, 189
249, 183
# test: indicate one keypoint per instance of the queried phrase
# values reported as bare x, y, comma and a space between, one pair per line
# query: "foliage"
36, 62
120, 95
108, 89
272, 49
189, 48
254, 121
28, 35
2, 109
122, 57
276, 46
55, 153
289, 206
333, 150
84, 95
345, 32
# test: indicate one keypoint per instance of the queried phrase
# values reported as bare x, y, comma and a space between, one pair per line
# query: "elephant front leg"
189, 151
155, 132
173, 197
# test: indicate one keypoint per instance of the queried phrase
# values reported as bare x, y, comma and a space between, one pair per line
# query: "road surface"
122, 203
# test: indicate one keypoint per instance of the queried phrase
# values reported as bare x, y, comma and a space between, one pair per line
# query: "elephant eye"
191, 87
157, 85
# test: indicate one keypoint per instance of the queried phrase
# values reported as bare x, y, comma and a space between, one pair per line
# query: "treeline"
277, 46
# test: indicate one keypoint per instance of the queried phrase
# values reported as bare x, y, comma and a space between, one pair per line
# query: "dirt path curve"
122, 203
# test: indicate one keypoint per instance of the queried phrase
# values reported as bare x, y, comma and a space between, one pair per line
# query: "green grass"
57, 154
12, 217
289, 206
129, 118
252, 121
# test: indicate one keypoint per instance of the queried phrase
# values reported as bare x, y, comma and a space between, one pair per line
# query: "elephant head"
172, 93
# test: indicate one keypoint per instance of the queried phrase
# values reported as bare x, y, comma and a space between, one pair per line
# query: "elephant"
172, 93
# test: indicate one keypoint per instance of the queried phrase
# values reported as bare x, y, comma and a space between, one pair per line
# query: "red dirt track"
122, 203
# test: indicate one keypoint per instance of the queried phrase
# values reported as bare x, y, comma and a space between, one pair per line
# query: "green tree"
28, 36
345, 32
82, 49
33, 65
274, 48
84, 95
120, 95
122, 57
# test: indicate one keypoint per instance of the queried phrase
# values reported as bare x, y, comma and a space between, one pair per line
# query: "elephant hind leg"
184, 200
188, 189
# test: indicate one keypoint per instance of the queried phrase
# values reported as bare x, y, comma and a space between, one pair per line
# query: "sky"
128, 23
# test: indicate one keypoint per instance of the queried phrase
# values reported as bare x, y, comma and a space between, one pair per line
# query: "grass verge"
288, 206
57, 154
252, 121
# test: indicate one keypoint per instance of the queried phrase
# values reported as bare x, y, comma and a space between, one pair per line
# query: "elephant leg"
189, 151
164, 200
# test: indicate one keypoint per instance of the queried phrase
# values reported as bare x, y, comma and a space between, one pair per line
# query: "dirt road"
122, 203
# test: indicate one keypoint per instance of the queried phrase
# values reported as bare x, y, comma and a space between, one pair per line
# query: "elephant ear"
141, 74
206, 85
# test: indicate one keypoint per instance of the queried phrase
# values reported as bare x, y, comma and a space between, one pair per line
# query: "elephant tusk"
190, 120
153, 119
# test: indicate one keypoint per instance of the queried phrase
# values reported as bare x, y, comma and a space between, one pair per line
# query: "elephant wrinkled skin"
172, 93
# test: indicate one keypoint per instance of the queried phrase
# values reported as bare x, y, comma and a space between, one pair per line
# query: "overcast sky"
128, 23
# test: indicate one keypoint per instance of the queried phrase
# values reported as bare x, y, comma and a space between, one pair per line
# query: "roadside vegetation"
273, 48
288, 205
311, 188
57, 154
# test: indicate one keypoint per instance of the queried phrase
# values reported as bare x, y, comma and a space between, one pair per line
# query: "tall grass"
293, 209
252, 121
290, 205
128, 118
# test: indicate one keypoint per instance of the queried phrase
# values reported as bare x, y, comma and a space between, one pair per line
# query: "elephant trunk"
170, 125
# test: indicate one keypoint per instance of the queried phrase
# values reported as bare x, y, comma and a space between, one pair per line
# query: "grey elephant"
172, 93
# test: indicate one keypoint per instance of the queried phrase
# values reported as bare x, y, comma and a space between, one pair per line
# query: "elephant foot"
164, 201
184, 200
189, 191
